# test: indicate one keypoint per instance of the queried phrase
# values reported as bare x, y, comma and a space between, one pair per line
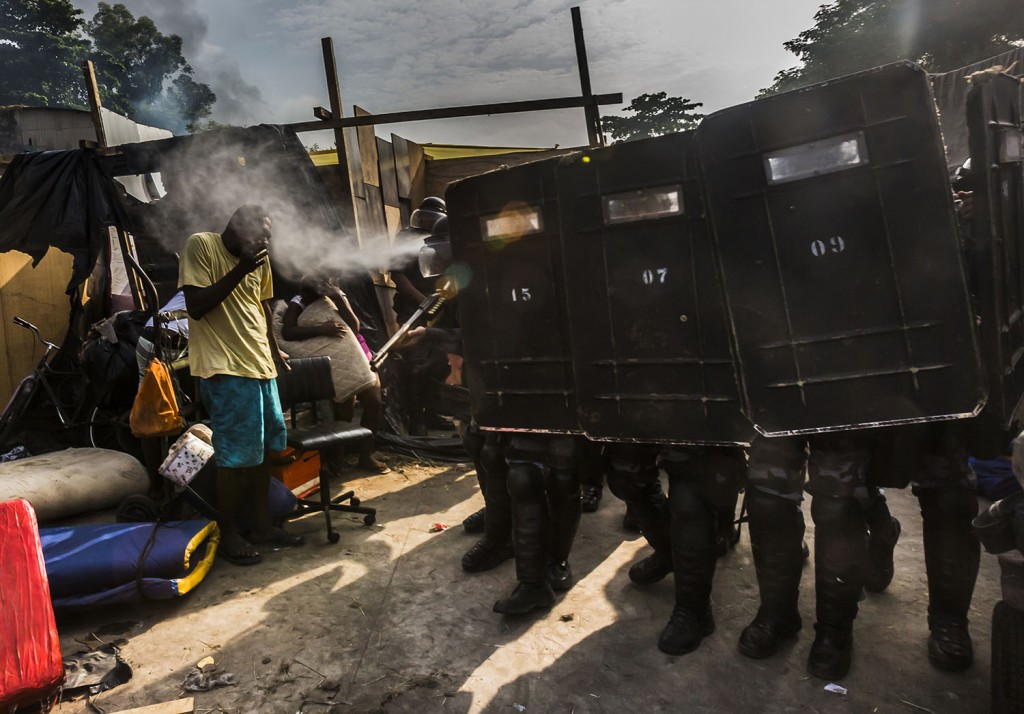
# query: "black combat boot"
633, 478
694, 536
565, 508
883, 534
525, 598
776, 535
840, 549
951, 554
474, 522
560, 575
484, 555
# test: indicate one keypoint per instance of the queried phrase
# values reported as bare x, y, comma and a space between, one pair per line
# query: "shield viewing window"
816, 158
643, 205
512, 224
1011, 146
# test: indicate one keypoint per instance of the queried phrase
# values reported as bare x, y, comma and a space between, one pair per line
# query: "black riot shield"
996, 235
506, 250
650, 342
834, 221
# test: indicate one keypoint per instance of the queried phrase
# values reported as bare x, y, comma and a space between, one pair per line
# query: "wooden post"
93, 91
594, 134
348, 209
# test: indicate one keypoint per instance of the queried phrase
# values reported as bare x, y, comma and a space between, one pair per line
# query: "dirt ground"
386, 620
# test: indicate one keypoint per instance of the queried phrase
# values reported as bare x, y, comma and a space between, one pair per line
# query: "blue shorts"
246, 418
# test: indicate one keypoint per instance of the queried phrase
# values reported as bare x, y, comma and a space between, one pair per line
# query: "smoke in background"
208, 176
238, 102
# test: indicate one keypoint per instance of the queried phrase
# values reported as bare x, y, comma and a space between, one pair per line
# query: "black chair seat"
308, 382
326, 434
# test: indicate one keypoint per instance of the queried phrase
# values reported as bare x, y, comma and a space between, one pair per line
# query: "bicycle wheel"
10, 420
110, 430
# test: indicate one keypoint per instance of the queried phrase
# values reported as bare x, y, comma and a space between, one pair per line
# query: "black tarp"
63, 199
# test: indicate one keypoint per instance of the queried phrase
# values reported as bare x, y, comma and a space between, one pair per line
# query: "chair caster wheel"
334, 536
354, 501
370, 520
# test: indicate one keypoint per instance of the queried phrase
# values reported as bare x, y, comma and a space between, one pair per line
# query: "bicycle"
104, 428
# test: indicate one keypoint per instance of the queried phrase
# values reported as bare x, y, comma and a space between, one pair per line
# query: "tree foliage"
41, 49
942, 35
140, 71
653, 115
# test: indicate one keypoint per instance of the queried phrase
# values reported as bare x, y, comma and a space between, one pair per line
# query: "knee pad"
635, 486
837, 514
473, 443
686, 503
525, 481
769, 511
492, 457
947, 507
563, 483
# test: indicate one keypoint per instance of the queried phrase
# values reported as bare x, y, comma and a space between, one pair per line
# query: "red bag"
30, 662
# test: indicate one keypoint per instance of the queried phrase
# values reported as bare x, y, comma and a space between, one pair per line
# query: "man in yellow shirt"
227, 284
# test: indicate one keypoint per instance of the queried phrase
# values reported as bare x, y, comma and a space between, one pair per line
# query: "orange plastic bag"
155, 411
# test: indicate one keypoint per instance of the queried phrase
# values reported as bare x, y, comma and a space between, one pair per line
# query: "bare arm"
345, 310
199, 301
278, 356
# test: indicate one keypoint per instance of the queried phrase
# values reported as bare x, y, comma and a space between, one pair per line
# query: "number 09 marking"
835, 244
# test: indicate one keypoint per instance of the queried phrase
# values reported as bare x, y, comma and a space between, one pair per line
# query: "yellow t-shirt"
231, 338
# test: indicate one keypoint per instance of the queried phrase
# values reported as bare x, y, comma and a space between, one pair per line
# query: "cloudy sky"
263, 57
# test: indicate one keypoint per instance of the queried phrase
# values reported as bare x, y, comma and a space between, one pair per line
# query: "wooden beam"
348, 208
322, 114
474, 110
93, 90
593, 118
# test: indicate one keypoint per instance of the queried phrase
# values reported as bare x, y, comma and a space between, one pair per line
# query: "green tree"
653, 115
942, 35
142, 72
41, 49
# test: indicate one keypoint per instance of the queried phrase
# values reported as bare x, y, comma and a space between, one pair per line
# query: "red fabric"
30, 660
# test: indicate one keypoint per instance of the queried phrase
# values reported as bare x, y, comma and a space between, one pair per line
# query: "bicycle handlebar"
29, 326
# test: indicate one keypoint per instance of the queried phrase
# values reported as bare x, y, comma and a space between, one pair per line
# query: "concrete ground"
386, 620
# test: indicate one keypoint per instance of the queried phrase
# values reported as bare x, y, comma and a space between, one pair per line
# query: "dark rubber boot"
951, 553
883, 534
633, 478
474, 522
560, 576
530, 521
831, 653
525, 598
651, 569
776, 534
685, 630
484, 555
498, 503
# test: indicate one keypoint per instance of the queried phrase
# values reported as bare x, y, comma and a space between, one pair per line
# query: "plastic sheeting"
30, 661
64, 199
103, 564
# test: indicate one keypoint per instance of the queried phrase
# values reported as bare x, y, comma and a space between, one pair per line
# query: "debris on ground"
835, 689
438, 527
204, 680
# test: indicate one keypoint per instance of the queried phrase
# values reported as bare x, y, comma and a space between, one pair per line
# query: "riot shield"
996, 239
650, 342
835, 228
507, 256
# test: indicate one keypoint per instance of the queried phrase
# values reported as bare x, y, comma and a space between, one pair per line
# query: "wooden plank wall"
37, 295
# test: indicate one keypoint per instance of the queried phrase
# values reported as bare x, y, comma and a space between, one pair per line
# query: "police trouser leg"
563, 493
840, 547
633, 478
952, 551
530, 520
693, 537
498, 522
776, 524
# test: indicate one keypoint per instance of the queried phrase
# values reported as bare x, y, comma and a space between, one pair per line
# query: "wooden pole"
93, 90
348, 207
473, 110
594, 134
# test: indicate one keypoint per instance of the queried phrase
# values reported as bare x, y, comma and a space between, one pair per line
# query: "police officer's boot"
883, 534
776, 527
694, 536
633, 478
530, 533
840, 547
496, 545
565, 507
951, 555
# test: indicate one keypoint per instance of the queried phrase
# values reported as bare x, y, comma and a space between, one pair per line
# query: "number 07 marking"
657, 275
